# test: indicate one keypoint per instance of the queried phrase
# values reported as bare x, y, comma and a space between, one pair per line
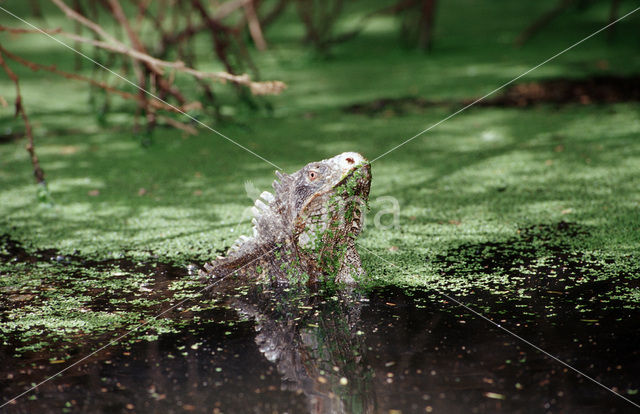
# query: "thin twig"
37, 171
542, 21
254, 25
189, 129
225, 9
613, 15
274, 13
149, 69
18, 31
72, 14
121, 18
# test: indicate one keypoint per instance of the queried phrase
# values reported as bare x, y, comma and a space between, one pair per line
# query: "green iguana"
305, 231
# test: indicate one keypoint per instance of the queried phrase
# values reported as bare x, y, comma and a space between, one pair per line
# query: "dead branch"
143, 6
425, 40
35, 9
77, 27
320, 20
126, 51
72, 14
102, 85
141, 73
120, 17
37, 171
394, 8
219, 34
274, 13
18, 31
272, 87
265, 87
226, 9
542, 21
613, 16
254, 25
189, 129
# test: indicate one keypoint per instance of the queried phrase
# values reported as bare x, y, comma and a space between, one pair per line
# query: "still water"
388, 350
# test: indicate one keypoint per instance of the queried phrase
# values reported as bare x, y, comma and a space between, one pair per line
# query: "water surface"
389, 351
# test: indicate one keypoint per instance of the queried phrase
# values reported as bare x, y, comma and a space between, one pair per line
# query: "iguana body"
305, 231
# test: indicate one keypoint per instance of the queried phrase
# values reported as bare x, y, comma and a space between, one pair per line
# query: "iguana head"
330, 201
318, 209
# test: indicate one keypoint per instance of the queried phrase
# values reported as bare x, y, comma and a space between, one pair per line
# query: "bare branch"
119, 15
263, 87
543, 20
72, 14
18, 31
103, 85
274, 13
254, 25
37, 171
189, 129
125, 50
225, 9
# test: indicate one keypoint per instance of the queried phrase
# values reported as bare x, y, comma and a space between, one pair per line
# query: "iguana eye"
312, 175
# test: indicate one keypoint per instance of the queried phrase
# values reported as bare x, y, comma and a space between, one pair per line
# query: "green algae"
477, 178
62, 299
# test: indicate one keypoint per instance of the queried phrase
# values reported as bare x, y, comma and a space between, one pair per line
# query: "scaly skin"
305, 233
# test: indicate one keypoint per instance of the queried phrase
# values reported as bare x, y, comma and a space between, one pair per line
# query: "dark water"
555, 91
388, 350
392, 352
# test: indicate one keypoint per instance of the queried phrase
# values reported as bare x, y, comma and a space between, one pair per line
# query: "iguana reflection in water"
315, 342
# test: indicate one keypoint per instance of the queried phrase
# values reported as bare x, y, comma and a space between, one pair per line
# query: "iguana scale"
305, 230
